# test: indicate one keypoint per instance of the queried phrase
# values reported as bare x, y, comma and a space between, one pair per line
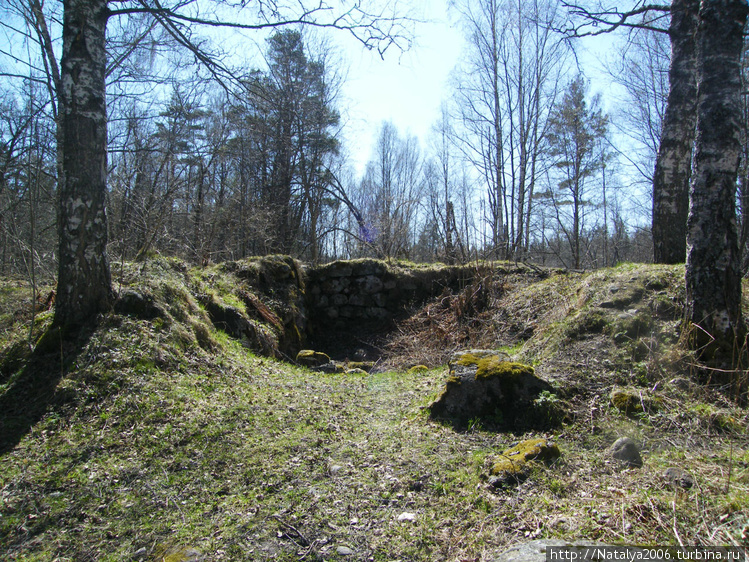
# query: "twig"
730, 467
287, 527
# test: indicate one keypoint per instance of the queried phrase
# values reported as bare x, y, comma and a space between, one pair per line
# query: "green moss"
468, 359
165, 553
13, 358
311, 358
725, 422
631, 326
493, 366
514, 463
626, 402
179, 302
631, 402
365, 366
418, 369
587, 322
204, 336
665, 308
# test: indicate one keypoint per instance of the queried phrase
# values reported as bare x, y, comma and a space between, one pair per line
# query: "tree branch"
373, 30
591, 23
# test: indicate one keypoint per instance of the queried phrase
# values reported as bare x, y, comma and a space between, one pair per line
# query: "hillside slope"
160, 437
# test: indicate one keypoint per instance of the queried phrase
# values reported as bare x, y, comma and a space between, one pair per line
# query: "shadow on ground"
34, 390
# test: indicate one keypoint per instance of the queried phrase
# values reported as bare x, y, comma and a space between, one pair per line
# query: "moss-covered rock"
164, 553
593, 321
515, 463
620, 296
631, 325
486, 386
473, 356
631, 402
311, 358
418, 369
626, 402
508, 371
365, 366
236, 323
274, 292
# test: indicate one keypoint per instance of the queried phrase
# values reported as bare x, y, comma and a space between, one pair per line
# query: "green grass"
152, 444
234, 455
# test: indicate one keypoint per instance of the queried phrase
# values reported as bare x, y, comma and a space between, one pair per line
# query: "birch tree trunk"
84, 283
713, 278
673, 165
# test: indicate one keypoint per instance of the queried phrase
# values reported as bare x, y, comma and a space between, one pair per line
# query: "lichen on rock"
515, 463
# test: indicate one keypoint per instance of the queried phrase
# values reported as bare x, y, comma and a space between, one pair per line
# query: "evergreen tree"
575, 130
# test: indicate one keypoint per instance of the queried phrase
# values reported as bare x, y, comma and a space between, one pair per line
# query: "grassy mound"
159, 435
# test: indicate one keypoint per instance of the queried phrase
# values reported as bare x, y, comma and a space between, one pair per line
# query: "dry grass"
154, 443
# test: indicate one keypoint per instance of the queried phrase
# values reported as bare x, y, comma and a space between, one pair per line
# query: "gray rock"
626, 452
137, 304
359, 300
536, 551
380, 300
339, 299
679, 478
339, 269
370, 284
377, 313
344, 551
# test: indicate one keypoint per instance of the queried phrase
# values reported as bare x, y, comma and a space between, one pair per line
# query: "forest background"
215, 156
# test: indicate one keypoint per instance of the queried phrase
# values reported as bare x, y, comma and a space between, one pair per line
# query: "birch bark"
673, 165
713, 278
84, 284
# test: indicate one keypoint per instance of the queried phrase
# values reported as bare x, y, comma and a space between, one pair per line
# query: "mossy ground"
153, 441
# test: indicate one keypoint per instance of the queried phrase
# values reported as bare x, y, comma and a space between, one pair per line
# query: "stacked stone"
359, 290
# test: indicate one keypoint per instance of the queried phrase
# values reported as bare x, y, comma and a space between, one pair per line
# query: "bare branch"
377, 31
587, 23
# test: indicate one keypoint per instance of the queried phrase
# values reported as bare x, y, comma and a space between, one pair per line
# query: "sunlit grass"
155, 444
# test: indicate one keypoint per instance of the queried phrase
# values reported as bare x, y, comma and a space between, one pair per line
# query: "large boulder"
484, 385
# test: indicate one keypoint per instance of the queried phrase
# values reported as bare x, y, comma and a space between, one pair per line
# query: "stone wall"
350, 292
344, 307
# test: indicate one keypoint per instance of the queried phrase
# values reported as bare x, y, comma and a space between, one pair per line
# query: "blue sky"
408, 88
405, 88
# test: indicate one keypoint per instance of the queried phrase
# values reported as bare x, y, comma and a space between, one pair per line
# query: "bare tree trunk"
672, 168
713, 279
84, 284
